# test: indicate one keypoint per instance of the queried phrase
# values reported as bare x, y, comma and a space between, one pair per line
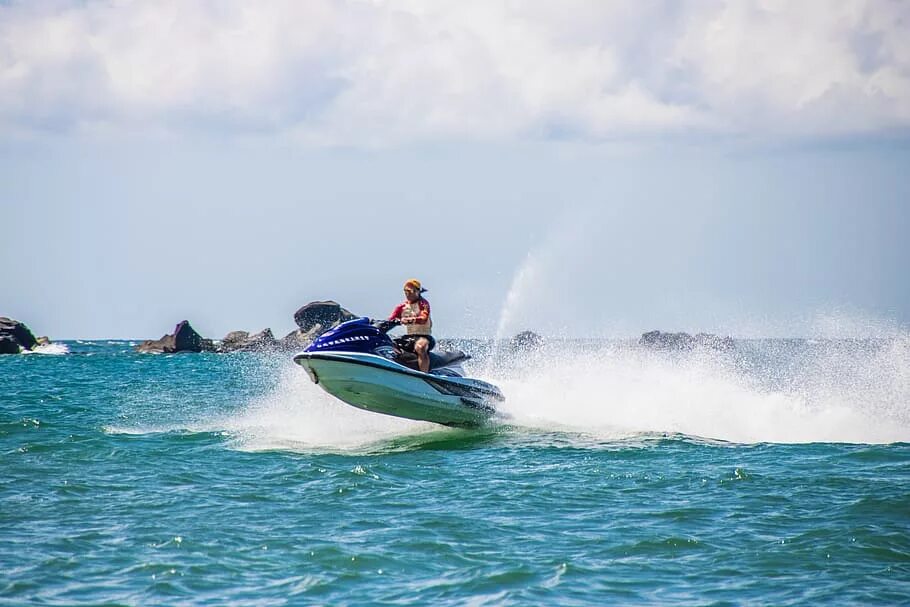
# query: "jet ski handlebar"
385, 325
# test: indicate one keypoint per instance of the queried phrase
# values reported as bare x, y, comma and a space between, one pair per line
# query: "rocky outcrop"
526, 341
233, 341
241, 341
297, 340
715, 342
314, 319
8, 345
659, 340
15, 336
183, 339
321, 313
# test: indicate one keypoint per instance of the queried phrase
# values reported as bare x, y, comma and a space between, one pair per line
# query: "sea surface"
777, 474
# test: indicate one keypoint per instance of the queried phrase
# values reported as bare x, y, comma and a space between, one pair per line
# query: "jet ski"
360, 364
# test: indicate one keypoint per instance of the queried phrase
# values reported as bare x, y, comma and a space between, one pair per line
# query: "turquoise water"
780, 475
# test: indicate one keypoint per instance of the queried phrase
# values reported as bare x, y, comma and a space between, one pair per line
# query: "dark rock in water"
8, 345
715, 342
183, 339
186, 339
526, 340
666, 341
683, 341
233, 341
262, 340
314, 319
296, 340
324, 313
242, 341
17, 332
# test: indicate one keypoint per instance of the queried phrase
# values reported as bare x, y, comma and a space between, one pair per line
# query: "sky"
574, 168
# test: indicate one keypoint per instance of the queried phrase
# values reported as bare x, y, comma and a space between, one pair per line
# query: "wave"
54, 349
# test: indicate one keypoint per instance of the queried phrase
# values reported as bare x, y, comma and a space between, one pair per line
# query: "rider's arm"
396, 313
424, 315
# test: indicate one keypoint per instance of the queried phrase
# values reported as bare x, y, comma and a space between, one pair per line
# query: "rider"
414, 313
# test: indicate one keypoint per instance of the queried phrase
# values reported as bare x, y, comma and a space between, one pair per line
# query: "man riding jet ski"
414, 312
358, 363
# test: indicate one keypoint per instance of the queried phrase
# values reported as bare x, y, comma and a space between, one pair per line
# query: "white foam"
53, 349
625, 391
835, 392
298, 415
144, 430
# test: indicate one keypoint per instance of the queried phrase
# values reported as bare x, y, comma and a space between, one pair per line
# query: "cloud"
354, 72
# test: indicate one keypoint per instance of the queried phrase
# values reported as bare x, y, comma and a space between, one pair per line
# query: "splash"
298, 416
766, 390
774, 391
524, 282
836, 392
49, 350
534, 292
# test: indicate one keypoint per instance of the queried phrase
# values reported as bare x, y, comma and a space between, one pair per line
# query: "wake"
835, 392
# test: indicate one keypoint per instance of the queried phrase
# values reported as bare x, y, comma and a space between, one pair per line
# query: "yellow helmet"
413, 282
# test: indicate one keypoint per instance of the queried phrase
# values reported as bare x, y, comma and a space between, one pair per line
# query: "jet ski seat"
437, 359
444, 359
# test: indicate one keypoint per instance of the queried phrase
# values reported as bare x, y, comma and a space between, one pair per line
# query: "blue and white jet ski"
358, 363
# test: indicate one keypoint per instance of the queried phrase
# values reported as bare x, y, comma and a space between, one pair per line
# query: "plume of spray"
765, 391
855, 394
534, 291
523, 285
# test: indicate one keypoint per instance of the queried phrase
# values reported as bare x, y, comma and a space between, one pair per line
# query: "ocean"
776, 474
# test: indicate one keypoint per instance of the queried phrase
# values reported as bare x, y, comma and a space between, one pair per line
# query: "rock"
659, 340
296, 340
183, 339
18, 333
666, 341
243, 341
43, 340
186, 339
8, 345
715, 342
314, 319
324, 313
526, 340
233, 341
262, 340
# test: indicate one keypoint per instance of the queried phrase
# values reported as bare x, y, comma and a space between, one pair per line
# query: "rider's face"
411, 293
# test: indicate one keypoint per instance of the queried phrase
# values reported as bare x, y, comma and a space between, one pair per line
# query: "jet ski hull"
374, 383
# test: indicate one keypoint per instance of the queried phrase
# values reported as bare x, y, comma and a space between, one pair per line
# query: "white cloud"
799, 66
373, 73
